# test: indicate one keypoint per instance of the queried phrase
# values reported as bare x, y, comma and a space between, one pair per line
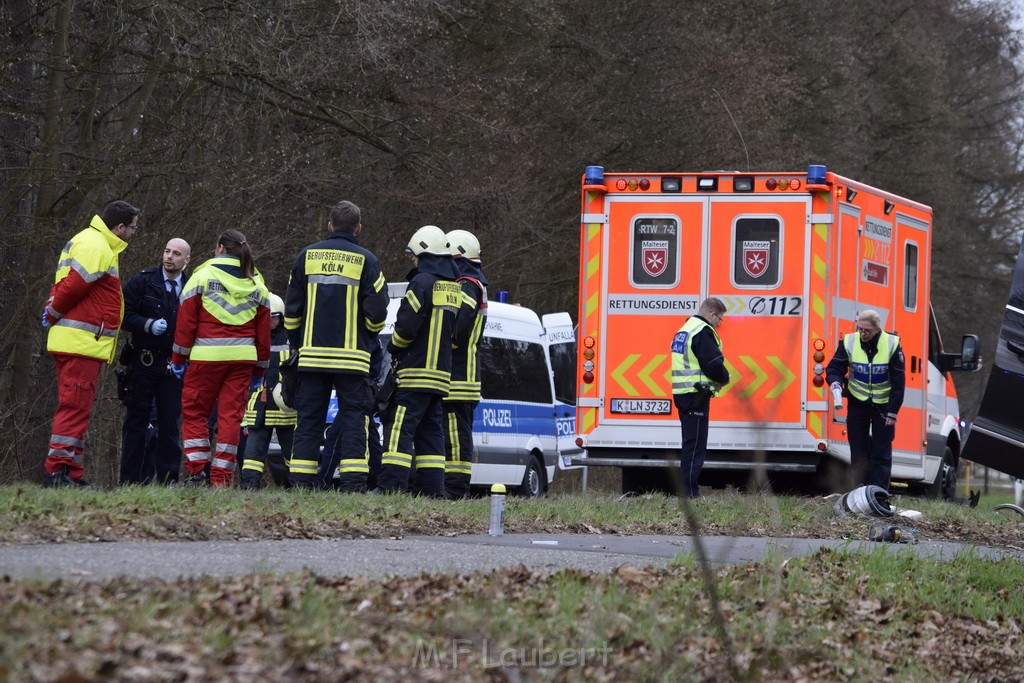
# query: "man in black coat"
150, 311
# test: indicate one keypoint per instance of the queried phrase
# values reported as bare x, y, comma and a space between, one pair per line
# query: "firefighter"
223, 331
267, 413
150, 309
83, 314
464, 394
875, 386
335, 307
698, 371
422, 354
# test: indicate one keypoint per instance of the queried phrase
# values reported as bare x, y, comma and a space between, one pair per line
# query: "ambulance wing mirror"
970, 355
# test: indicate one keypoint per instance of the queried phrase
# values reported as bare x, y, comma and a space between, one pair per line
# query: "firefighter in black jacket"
335, 307
150, 311
264, 413
422, 348
465, 387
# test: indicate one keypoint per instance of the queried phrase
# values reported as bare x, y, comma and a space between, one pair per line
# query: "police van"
524, 428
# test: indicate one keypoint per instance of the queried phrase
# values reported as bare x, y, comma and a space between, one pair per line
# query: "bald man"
153, 395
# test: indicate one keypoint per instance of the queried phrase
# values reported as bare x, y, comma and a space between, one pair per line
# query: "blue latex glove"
158, 327
46, 320
178, 370
255, 384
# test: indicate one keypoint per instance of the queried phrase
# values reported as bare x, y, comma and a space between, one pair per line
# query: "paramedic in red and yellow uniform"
223, 332
83, 315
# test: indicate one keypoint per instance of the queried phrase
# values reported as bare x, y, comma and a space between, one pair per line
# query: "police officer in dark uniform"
335, 307
464, 395
698, 371
422, 347
150, 311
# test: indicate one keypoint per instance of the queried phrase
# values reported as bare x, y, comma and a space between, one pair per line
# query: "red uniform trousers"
76, 389
226, 384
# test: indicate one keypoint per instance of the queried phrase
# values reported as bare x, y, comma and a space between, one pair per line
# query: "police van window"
910, 276
563, 364
756, 253
512, 370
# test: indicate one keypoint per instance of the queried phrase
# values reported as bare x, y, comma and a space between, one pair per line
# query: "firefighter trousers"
258, 456
458, 441
226, 384
347, 453
413, 426
76, 390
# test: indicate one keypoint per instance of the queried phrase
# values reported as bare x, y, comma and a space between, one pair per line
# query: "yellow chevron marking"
787, 377
760, 377
645, 375
591, 305
593, 265
869, 248
734, 378
589, 419
819, 266
618, 374
814, 424
818, 305
821, 230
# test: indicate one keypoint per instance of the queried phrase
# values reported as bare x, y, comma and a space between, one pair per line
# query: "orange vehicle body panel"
794, 268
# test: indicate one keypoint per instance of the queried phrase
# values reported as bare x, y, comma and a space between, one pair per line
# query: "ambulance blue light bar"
594, 175
815, 174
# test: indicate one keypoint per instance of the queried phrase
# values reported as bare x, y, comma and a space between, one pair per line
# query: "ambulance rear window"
756, 253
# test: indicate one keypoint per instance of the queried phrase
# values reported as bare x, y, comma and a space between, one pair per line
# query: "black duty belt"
147, 357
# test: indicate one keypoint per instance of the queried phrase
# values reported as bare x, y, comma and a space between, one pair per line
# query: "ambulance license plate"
641, 406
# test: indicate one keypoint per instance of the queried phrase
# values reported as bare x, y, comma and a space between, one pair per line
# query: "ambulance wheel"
944, 486
533, 479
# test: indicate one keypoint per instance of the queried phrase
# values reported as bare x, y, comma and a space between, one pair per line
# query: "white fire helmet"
464, 245
276, 304
429, 239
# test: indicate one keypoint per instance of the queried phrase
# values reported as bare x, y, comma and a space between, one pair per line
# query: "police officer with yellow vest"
869, 362
698, 371
335, 307
422, 348
267, 413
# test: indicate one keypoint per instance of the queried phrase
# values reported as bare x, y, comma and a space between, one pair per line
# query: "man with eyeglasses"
869, 365
82, 316
698, 372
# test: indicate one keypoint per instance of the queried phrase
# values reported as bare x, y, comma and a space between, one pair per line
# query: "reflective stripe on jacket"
262, 410
869, 379
86, 295
223, 316
423, 333
469, 327
335, 306
686, 370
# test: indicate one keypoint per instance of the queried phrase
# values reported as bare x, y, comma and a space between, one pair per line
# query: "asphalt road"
413, 555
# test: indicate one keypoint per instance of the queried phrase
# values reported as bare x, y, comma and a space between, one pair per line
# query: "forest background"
477, 114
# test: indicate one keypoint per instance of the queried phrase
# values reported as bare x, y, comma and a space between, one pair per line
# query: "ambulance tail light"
819, 370
588, 359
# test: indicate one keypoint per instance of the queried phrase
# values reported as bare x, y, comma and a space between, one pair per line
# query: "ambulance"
795, 257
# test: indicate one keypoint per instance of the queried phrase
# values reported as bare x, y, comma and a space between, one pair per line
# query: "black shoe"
249, 484
61, 479
197, 481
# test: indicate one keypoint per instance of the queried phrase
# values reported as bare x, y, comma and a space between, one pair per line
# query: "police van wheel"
533, 479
